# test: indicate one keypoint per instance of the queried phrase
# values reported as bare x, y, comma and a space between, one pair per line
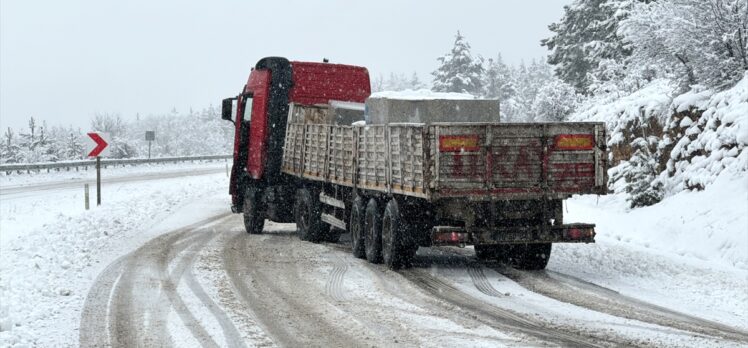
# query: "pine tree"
641, 174
415, 82
396, 82
499, 83
10, 151
586, 34
458, 70
34, 144
73, 147
377, 84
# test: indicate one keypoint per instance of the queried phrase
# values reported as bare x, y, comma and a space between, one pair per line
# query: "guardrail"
21, 168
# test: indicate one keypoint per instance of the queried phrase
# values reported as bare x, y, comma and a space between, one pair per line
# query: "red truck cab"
261, 113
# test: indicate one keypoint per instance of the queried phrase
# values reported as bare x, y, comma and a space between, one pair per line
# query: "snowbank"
708, 226
711, 141
688, 252
421, 94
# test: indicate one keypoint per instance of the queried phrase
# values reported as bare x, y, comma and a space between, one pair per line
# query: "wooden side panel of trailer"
475, 161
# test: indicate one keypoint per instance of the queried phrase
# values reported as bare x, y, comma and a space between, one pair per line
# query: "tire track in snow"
334, 286
572, 290
233, 338
481, 282
501, 318
92, 325
568, 289
267, 282
446, 298
170, 282
137, 291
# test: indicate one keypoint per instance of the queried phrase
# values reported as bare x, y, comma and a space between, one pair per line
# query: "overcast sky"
62, 61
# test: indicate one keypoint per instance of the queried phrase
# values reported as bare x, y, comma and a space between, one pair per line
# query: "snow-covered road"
211, 284
163, 263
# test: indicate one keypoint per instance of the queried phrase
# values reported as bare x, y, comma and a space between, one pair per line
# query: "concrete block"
385, 110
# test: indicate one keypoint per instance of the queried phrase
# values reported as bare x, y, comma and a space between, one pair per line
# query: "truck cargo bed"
475, 161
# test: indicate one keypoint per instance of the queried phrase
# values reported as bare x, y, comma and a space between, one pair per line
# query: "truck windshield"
247, 107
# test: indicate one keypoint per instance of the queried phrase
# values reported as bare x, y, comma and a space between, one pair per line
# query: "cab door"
255, 113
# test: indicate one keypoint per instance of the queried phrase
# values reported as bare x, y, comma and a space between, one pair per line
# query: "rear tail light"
574, 142
459, 143
451, 237
579, 233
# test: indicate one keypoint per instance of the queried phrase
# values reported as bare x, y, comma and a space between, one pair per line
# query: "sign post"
150, 136
98, 181
97, 148
85, 193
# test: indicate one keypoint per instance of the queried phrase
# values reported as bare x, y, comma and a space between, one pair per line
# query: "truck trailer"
311, 147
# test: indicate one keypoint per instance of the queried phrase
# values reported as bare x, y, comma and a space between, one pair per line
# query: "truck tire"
530, 257
356, 226
397, 250
373, 232
307, 215
254, 217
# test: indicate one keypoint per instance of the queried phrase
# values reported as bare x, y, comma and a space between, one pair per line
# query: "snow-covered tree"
397, 82
459, 71
10, 151
641, 174
498, 80
697, 41
35, 146
528, 81
415, 82
73, 145
585, 35
554, 102
377, 83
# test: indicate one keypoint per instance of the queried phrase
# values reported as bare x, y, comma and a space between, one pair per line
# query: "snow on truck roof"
421, 94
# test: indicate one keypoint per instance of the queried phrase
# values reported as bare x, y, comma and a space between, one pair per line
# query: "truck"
312, 147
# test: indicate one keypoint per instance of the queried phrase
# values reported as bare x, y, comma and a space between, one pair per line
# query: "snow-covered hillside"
663, 143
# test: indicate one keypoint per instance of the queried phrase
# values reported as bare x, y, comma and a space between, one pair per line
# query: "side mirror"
227, 109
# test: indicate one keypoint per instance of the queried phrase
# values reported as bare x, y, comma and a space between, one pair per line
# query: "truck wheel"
530, 256
254, 217
373, 232
307, 215
356, 226
397, 250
